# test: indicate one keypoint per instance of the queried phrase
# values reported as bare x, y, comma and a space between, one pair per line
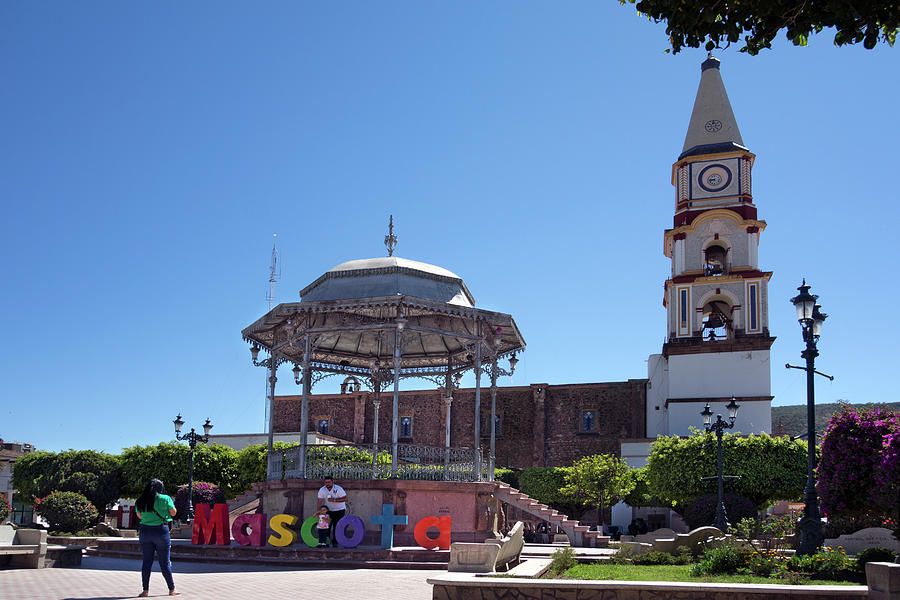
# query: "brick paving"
116, 578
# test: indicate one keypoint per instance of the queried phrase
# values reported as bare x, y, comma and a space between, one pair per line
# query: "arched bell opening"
350, 385
717, 320
715, 260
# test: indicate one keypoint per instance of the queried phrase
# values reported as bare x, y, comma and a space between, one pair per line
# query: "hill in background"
791, 420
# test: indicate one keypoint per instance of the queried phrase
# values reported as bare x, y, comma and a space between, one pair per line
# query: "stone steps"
578, 534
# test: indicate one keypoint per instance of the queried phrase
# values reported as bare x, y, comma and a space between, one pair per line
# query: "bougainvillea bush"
5, 508
204, 493
67, 512
858, 471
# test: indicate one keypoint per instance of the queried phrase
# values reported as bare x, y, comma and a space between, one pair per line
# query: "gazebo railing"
373, 461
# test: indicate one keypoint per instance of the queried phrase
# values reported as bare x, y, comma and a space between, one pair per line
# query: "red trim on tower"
695, 345
745, 274
686, 218
679, 236
753, 230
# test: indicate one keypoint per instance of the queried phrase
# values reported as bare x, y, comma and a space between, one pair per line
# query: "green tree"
95, 475
169, 461
599, 480
756, 22
640, 494
770, 468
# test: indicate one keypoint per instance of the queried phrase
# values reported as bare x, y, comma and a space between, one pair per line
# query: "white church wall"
752, 417
719, 374
657, 393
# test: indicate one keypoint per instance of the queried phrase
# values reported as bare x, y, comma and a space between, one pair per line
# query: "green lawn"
671, 573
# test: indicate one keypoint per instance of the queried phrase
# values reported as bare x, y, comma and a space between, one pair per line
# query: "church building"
717, 333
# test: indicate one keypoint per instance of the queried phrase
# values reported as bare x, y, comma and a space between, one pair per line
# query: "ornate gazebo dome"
380, 320
388, 276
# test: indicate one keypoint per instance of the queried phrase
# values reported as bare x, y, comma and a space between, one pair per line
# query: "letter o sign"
340, 531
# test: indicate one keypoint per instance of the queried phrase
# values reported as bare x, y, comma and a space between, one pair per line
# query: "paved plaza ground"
115, 578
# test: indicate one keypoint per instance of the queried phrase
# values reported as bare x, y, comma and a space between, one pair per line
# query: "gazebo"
382, 320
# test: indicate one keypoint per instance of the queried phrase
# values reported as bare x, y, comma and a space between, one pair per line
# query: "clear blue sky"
150, 150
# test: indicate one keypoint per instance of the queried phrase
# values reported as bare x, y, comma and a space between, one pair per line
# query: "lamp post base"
812, 535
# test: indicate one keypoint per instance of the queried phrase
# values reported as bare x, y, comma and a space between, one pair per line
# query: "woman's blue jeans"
156, 539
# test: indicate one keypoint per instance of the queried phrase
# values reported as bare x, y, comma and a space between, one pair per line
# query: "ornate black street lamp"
812, 531
719, 427
191, 438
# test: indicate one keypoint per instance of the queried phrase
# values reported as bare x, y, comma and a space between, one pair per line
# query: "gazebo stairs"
579, 535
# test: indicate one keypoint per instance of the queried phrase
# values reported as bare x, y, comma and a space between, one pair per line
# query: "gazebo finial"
390, 240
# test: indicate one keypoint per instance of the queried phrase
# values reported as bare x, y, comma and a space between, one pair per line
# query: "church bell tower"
716, 299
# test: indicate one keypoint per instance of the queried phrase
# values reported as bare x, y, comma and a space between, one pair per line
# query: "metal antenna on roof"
274, 273
390, 240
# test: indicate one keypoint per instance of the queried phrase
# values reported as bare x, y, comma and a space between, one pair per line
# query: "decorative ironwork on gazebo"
382, 320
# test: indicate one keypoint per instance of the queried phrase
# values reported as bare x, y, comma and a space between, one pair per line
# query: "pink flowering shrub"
858, 471
5, 508
204, 493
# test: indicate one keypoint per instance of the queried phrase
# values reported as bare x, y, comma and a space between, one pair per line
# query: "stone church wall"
540, 425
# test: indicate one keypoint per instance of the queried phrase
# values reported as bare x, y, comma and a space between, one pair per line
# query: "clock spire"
713, 127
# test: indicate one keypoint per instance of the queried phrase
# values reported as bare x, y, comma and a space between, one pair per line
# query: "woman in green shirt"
155, 510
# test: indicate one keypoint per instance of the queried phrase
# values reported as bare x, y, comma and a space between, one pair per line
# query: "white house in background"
9, 453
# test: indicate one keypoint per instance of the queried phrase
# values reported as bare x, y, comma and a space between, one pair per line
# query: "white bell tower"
717, 336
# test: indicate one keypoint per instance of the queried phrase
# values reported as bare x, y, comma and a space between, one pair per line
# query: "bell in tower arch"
715, 260
717, 320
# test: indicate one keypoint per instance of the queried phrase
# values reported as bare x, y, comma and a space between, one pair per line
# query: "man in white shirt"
334, 498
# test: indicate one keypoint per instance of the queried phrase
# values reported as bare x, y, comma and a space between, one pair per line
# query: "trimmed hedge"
702, 511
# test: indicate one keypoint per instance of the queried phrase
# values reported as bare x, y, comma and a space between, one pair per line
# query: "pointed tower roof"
713, 127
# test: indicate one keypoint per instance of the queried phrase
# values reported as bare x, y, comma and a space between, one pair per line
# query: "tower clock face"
714, 178
713, 126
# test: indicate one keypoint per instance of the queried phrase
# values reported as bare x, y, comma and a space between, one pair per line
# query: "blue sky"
150, 151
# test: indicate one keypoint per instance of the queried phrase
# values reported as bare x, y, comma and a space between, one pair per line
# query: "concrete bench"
884, 580
22, 548
493, 555
666, 540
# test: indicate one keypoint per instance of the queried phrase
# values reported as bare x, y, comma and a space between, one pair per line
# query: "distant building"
10, 452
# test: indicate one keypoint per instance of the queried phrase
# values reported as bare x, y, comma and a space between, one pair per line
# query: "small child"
322, 526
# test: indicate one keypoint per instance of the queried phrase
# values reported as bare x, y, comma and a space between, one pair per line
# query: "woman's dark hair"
145, 501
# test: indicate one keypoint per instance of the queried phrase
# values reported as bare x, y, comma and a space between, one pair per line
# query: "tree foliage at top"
771, 468
169, 461
755, 23
599, 480
95, 475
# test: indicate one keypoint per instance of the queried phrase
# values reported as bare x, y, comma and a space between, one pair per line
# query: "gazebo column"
270, 398
376, 403
477, 445
304, 404
395, 423
493, 423
448, 401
